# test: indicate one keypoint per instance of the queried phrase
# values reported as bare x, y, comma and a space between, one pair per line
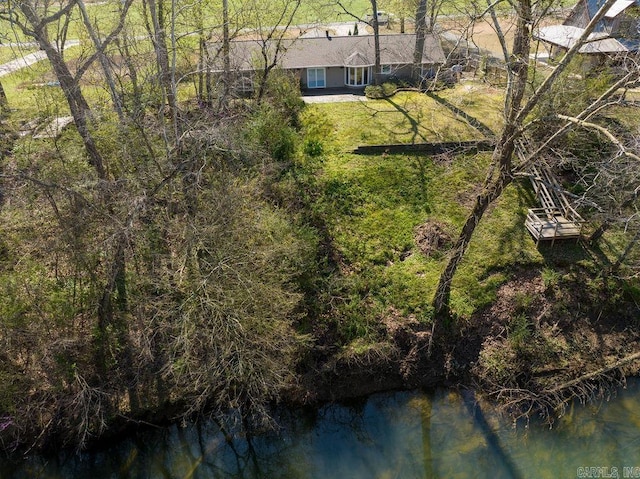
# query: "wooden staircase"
556, 218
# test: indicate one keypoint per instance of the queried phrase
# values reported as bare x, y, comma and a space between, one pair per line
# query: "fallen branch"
604, 131
594, 374
523, 402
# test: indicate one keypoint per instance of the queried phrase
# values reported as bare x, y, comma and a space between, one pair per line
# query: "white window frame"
315, 83
365, 76
385, 69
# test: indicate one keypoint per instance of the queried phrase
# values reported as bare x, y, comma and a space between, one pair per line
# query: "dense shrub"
376, 92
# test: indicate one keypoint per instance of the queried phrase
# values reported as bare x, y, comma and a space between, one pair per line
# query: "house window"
357, 76
385, 69
316, 78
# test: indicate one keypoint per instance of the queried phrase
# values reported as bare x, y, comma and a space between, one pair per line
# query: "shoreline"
543, 362
535, 367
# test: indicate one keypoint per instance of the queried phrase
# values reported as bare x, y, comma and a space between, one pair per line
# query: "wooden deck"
556, 219
545, 225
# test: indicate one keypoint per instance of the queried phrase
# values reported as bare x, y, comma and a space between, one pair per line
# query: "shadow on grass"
474, 122
420, 165
565, 252
515, 232
415, 123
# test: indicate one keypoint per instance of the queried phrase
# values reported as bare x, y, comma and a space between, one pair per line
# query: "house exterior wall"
245, 82
627, 25
622, 25
401, 72
341, 56
405, 72
335, 77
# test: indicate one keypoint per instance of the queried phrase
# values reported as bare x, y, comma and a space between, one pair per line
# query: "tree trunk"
501, 160
483, 201
79, 108
601, 230
159, 39
516, 111
4, 103
226, 54
208, 78
625, 254
77, 103
376, 43
432, 17
202, 66
421, 31
104, 61
138, 108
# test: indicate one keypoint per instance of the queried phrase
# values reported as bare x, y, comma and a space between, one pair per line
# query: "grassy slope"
373, 204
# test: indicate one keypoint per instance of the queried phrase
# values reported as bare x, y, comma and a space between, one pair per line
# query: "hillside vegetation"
182, 250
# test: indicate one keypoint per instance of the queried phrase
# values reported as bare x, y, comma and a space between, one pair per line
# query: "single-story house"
332, 62
618, 32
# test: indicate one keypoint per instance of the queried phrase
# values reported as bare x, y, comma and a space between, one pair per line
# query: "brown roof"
354, 50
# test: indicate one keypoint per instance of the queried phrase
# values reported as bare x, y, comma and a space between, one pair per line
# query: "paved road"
29, 59
22, 62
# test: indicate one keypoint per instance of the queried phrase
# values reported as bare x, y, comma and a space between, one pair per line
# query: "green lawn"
411, 118
9, 53
198, 16
207, 15
372, 205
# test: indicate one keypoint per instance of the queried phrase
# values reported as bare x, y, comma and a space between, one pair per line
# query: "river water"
444, 434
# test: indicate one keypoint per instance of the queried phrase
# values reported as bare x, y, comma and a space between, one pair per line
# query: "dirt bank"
546, 339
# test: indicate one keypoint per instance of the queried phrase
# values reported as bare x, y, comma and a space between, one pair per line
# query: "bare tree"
226, 52
156, 24
34, 22
375, 24
518, 108
35, 26
421, 31
272, 36
104, 61
376, 42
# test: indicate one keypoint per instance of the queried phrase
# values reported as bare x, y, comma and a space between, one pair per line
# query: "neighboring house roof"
598, 42
354, 50
617, 32
618, 7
